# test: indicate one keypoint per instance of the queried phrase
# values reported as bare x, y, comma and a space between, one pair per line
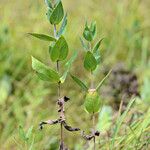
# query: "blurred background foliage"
25, 100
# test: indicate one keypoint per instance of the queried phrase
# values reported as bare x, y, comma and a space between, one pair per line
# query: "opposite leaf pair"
59, 50
55, 13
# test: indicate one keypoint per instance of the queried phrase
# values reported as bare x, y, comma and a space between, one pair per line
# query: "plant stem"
93, 119
93, 116
92, 81
59, 89
61, 125
55, 31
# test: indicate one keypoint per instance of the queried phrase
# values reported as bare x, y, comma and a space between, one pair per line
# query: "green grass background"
25, 100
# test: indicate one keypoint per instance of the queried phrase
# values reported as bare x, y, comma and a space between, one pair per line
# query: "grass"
24, 98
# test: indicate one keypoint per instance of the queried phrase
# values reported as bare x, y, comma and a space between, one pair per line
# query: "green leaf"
22, 133
50, 48
93, 29
44, 72
43, 37
96, 47
68, 65
57, 14
90, 62
89, 33
63, 26
92, 101
102, 81
59, 51
96, 51
79, 82
29, 132
49, 12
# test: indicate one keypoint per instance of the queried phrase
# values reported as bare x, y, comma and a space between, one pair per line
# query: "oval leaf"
87, 34
60, 50
90, 62
44, 72
57, 14
80, 83
92, 101
43, 37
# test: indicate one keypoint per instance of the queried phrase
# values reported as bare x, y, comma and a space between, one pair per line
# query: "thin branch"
59, 89
50, 122
69, 128
90, 136
102, 81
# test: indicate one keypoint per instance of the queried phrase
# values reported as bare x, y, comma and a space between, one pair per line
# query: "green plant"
58, 51
26, 137
93, 102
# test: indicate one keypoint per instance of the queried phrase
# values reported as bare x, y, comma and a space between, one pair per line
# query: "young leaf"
87, 34
22, 133
43, 37
57, 14
90, 32
96, 51
93, 29
90, 62
97, 56
96, 47
44, 72
102, 81
60, 50
80, 83
63, 26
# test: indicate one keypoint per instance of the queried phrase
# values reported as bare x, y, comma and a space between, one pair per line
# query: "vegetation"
25, 100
